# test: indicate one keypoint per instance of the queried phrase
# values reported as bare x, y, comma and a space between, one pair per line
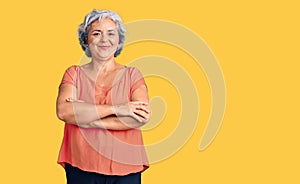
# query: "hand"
137, 109
73, 100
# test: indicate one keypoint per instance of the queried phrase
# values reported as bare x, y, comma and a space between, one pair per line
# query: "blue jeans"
78, 176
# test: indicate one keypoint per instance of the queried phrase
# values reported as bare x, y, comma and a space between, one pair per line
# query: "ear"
86, 40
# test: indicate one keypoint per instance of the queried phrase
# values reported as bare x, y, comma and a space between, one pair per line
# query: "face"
103, 39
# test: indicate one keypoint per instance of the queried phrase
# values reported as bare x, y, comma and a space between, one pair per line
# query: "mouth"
104, 47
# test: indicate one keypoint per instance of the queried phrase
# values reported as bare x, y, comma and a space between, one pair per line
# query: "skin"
103, 41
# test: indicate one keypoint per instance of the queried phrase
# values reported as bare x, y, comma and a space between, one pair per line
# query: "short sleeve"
69, 76
136, 79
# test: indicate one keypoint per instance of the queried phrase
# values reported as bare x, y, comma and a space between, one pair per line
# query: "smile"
104, 47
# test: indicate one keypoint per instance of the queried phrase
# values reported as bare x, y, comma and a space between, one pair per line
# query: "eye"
96, 34
111, 34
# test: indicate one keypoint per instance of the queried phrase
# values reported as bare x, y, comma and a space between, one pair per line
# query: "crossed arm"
114, 117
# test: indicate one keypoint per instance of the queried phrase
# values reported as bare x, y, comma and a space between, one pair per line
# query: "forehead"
103, 24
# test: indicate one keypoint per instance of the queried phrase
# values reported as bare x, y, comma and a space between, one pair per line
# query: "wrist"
104, 110
112, 109
116, 109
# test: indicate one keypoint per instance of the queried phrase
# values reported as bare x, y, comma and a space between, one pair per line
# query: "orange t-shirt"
110, 152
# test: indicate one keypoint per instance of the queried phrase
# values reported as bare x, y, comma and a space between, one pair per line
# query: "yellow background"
256, 43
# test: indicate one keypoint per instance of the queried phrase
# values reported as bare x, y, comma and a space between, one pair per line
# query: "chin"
102, 56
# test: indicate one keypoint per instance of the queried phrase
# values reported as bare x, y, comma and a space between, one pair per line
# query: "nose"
103, 38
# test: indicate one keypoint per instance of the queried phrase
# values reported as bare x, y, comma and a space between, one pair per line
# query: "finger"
139, 102
69, 100
139, 106
138, 118
72, 100
143, 108
143, 119
81, 101
142, 114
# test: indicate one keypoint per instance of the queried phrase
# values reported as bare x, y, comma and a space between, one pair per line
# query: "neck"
106, 64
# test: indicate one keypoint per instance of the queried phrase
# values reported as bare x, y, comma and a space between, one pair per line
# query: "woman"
103, 104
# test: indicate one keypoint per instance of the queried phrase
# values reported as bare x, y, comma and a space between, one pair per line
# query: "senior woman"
103, 104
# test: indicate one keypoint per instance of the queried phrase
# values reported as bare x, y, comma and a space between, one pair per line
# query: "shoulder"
70, 75
71, 71
135, 76
73, 68
133, 71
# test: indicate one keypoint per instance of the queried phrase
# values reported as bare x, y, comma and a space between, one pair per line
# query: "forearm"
83, 113
114, 123
130, 115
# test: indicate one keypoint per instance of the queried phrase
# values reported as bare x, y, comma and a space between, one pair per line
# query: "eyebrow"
98, 30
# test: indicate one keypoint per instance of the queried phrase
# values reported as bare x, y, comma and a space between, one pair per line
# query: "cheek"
92, 40
115, 41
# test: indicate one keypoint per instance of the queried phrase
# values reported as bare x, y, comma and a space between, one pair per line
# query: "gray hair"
100, 14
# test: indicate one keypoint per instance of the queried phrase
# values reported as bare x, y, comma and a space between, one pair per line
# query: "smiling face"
103, 39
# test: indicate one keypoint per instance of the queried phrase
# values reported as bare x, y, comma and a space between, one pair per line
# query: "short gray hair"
100, 14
